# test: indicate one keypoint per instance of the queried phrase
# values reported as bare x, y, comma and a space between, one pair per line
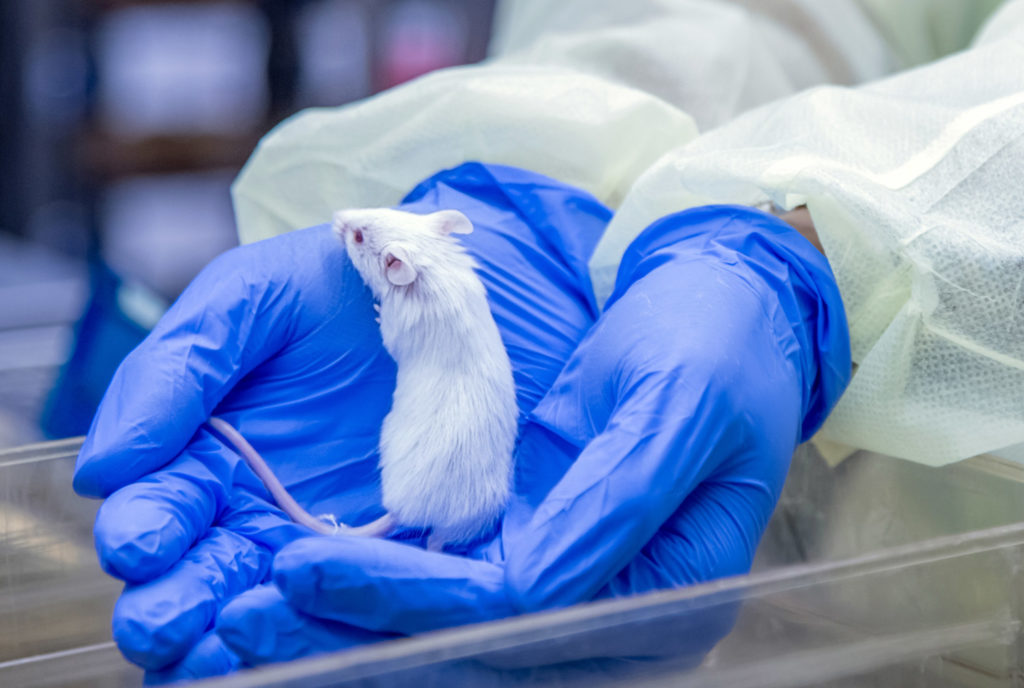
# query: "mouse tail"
324, 526
259, 466
379, 528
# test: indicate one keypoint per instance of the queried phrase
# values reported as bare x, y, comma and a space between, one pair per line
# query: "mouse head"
390, 248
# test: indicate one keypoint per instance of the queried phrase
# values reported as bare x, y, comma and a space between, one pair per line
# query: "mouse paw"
376, 307
435, 542
332, 521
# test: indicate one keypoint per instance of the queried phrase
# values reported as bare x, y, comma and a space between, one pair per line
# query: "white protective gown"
591, 92
914, 182
915, 187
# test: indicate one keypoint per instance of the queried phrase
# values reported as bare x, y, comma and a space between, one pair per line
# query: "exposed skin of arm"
800, 220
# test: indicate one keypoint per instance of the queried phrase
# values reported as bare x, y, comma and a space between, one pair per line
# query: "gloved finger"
243, 307
146, 527
209, 657
388, 586
713, 534
675, 408
260, 626
157, 623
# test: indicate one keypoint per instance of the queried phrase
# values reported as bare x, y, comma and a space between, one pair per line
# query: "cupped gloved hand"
279, 338
654, 460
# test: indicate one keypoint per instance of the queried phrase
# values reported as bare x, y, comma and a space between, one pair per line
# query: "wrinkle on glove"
149, 632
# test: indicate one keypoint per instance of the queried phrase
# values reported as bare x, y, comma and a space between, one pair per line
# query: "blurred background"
122, 125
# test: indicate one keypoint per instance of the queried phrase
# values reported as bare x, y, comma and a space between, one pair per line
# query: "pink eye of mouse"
357, 236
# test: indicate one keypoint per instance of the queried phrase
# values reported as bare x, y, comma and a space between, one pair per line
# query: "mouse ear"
397, 267
452, 222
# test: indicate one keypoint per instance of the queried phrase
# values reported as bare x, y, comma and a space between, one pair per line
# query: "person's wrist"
800, 220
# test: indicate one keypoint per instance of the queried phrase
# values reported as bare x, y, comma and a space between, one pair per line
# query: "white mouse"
446, 445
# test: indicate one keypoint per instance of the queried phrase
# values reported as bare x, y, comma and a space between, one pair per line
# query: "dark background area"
124, 123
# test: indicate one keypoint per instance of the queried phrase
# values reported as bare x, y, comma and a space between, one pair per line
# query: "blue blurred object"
655, 436
104, 335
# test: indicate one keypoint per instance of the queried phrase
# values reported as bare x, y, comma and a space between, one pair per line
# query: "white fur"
446, 446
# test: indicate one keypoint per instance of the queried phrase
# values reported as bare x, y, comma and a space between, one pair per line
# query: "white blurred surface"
182, 68
160, 230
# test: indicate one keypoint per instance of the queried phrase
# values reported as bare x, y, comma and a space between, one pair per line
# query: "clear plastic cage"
877, 572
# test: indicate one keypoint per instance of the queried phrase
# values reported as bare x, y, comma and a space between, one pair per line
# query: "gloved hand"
654, 460
723, 346
279, 338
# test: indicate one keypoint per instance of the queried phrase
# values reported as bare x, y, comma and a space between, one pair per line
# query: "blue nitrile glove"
279, 338
655, 460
